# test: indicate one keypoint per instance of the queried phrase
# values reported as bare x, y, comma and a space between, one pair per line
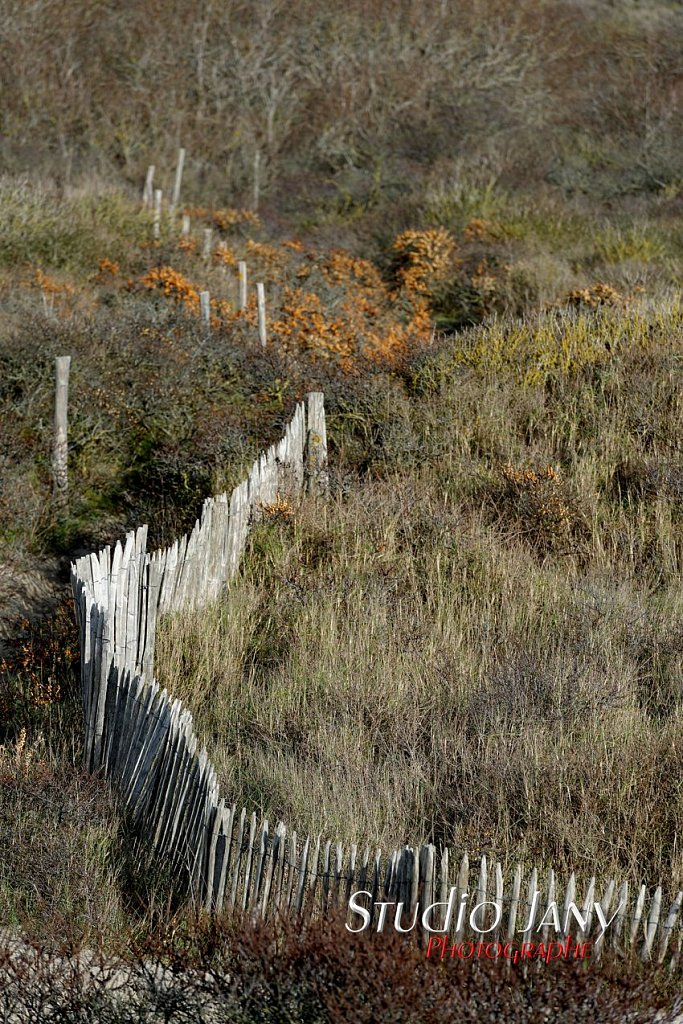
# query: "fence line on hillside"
143, 741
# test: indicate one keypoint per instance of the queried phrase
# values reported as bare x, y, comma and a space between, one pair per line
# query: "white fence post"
60, 450
205, 306
261, 299
242, 270
148, 190
156, 227
208, 235
178, 179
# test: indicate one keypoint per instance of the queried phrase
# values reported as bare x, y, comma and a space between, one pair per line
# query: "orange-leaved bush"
172, 283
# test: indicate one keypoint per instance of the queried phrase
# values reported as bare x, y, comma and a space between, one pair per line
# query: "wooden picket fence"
143, 741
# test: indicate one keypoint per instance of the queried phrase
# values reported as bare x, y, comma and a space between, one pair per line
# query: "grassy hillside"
468, 221
479, 642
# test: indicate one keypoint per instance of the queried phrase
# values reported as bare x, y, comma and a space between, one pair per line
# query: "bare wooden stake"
60, 450
205, 305
178, 179
261, 298
156, 227
242, 270
208, 234
257, 178
315, 458
185, 230
148, 190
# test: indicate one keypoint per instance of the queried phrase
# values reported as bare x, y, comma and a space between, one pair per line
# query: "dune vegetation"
467, 218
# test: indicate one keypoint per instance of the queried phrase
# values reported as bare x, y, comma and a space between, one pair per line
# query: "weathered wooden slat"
265, 850
316, 445
405, 879
180, 570
500, 908
118, 584
514, 903
197, 829
531, 910
637, 915
222, 875
182, 851
183, 784
617, 926
194, 820
548, 902
173, 782
350, 875
414, 877
376, 877
279, 887
135, 728
338, 866
325, 892
391, 876
427, 881
314, 874
154, 577
115, 742
168, 559
462, 886
237, 859
569, 898
168, 769
185, 583
652, 922
363, 881
301, 881
101, 663
158, 715
606, 904
444, 890
209, 886
136, 627
239, 526
271, 870
288, 887
121, 618
587, 911
248, 862
480, 894
668, 925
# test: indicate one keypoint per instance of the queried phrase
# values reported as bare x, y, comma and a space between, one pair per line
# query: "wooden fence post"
261, 298
242, 270
148, 190
315, 461
205, 305
257, 179
60, 450
178, 179
156, 226
208, 234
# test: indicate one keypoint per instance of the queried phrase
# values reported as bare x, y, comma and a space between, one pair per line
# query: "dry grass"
471, 650
61, 865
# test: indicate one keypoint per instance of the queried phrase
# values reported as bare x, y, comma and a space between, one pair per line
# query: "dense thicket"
353, 103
